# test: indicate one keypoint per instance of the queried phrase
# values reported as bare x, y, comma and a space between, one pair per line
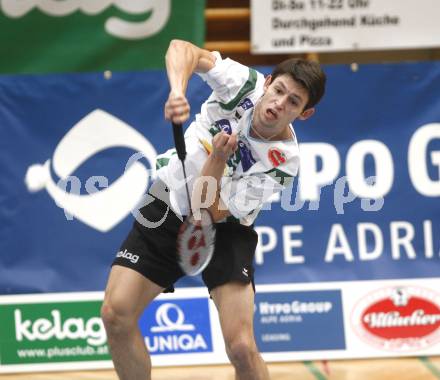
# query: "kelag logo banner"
35, 333
75, 35
78, 154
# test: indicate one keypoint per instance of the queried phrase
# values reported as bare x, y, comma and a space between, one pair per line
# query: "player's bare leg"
126, 296
235, 304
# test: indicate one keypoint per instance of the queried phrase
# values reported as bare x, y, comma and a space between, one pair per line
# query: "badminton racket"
196, 236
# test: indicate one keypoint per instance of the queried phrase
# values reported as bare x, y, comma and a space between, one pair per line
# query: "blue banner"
366, 205
380, 125
299, 321
180, 326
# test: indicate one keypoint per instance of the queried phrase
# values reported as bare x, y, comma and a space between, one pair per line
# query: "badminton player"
241, 149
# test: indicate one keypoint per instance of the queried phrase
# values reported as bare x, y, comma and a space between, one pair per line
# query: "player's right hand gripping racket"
196, 236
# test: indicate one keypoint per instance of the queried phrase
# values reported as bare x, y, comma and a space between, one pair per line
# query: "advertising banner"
181, 326
298, 321
74, 35
292, 322
380, 318
52, 332
352, 244
62, 331
288, 26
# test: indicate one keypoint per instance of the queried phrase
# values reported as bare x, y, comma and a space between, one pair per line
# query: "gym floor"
372, 369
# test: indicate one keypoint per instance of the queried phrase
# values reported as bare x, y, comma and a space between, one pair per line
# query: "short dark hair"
308, 73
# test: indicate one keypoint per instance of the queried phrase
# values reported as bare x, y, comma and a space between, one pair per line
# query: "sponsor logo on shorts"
128, 255
180, 326
398, 319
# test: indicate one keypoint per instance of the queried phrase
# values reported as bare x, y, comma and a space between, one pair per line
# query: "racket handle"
179, 141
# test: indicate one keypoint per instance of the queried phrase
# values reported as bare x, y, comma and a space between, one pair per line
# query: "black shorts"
152, 251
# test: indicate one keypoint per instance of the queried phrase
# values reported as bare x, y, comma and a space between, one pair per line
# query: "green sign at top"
40, 36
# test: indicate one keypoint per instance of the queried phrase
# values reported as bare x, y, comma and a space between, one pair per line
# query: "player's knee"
242, 351
116, 319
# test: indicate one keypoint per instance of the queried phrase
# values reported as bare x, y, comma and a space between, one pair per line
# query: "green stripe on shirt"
247, 87
161, 162
281, 177
163, 159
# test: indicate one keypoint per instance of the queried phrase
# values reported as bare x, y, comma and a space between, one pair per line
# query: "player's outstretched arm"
182, 60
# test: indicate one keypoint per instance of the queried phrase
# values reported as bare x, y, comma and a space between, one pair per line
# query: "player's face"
283, 101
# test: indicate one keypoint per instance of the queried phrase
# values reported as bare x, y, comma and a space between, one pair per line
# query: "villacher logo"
398, 319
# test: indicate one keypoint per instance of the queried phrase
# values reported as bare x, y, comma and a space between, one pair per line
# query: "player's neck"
274, 133
267, 133
285, 134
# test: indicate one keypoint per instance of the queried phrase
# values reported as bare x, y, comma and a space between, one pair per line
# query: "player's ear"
306, 113
267, 82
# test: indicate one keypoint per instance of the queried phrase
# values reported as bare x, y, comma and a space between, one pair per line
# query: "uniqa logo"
159, 13
71, 328
399, 319
103, 209
173, 342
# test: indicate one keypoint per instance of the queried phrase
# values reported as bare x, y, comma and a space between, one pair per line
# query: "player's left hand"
224, 145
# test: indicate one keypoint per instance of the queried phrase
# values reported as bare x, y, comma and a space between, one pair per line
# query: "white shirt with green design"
257, 169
